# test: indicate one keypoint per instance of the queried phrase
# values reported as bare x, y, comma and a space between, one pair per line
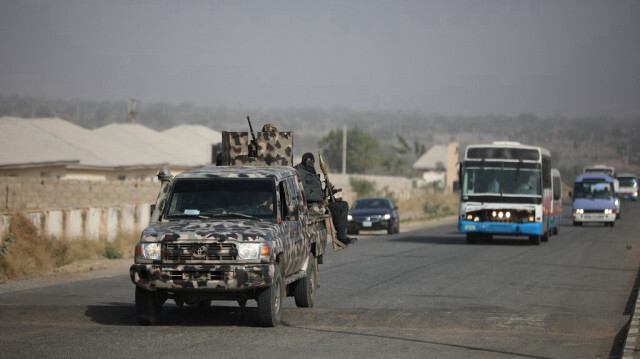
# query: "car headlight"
386, 216
579, 211
149, 250
608, 211
349, 217
248, 250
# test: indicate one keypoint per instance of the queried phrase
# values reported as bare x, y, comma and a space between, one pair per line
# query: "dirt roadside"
103, 267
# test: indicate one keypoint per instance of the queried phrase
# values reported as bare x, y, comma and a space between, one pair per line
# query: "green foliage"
362, 187
111, 252
436, 209
363, 151
390, 195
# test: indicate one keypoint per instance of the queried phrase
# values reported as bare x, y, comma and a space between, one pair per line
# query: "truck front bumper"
202, 277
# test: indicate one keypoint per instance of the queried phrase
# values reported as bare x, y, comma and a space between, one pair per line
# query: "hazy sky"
569, 58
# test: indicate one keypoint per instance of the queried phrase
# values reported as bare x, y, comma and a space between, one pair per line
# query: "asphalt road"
423, 293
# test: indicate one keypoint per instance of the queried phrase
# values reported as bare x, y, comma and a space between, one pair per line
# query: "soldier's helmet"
269, 128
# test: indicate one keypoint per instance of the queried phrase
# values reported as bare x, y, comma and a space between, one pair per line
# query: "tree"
363, 151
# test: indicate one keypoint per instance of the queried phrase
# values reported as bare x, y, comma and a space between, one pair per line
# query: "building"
55, 148
439, 165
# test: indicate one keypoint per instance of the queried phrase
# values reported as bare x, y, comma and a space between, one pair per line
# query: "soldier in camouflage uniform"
315, 195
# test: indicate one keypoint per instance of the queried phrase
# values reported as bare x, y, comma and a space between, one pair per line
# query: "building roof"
45, 140
200, 138
434, 159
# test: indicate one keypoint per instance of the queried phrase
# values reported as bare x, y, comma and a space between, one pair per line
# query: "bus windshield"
498, 181
627, 181
592, 190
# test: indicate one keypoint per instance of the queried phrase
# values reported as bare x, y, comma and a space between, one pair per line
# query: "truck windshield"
499, 181
223, 197
593, 190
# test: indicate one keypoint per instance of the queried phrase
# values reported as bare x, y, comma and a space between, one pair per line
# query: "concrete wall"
75, 209
28, 193
85, 223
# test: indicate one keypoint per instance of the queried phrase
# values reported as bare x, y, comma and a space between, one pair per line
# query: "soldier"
269, 128
315, 195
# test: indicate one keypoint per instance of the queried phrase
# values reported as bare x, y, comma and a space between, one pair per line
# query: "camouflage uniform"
314, 194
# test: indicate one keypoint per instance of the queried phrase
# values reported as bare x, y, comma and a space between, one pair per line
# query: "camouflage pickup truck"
229, 233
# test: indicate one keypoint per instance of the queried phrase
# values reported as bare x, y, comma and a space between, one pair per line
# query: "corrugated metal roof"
434, 159
24, 141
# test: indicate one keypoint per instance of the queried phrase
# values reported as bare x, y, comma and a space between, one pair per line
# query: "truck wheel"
305, 288
148, 306
270, 302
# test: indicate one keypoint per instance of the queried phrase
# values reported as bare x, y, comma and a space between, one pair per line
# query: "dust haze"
467, 58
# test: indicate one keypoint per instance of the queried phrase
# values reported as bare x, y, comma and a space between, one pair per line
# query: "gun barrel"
251, 128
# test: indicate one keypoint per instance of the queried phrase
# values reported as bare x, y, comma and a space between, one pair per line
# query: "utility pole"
344, 149
132, 110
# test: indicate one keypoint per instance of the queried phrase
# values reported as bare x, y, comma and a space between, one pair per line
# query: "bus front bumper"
528, 229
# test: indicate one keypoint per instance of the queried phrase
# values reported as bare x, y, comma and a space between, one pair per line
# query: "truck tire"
270, 302
148, 306
305, 288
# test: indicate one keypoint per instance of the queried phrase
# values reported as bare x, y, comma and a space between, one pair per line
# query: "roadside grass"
26, 254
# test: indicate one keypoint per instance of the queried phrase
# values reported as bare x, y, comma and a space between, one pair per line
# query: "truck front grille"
194, 251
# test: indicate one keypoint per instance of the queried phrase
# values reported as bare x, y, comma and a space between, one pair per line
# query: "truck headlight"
579, 211
248, 250
149, 250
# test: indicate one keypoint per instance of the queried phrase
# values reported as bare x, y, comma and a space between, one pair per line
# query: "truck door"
292, 227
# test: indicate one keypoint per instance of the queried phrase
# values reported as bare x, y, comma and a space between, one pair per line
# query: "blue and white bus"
505, 189
556, 201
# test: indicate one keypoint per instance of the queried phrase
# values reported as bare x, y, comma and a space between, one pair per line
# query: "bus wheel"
534, 240
545, 237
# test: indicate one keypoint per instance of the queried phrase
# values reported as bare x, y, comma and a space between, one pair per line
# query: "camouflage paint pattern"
201, 254
273, 149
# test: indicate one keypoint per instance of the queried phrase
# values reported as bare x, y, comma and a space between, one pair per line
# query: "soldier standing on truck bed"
315, 195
